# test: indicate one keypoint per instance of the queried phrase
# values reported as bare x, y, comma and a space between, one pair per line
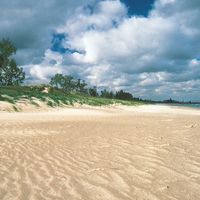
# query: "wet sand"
143, 153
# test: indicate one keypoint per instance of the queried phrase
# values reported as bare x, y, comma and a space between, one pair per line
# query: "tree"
10, 74
65, 82
69, 84
81, 86
93, 92
123, 95
57, 81
107, 94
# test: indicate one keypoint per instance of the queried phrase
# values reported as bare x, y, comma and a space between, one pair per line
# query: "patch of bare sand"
140, 153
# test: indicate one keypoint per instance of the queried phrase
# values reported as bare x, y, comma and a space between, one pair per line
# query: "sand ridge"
100, 154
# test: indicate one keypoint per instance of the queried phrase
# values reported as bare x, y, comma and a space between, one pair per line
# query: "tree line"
69, 84
12, 75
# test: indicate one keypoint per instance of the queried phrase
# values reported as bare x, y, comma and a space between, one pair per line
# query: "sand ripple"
108, 158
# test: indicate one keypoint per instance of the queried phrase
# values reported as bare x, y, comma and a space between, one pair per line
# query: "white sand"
143, 153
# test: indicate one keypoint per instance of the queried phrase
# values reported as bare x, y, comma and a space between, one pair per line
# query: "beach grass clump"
55, 97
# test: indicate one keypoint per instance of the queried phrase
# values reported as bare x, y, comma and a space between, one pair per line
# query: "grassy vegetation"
55, 97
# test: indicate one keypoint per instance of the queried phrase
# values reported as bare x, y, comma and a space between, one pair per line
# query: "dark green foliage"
68, 83
107, 94
123, 95
170, 101
10, 74
117, 95
93, 92
81, 86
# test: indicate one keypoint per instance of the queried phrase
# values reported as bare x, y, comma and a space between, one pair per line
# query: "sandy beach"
122, 153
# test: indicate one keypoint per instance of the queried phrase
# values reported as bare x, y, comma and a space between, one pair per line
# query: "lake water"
187, 105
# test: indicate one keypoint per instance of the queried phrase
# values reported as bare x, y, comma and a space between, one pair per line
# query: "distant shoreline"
82, 110
186, 105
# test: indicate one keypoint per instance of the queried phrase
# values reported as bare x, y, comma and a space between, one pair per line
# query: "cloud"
154, 57
42, 72
30, 24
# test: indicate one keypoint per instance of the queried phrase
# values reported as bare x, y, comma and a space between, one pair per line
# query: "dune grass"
55, 97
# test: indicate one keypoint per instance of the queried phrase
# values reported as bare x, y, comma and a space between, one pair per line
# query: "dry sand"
142, 153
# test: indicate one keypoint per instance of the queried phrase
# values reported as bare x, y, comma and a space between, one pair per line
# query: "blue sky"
139, 7
148, 48
135, 7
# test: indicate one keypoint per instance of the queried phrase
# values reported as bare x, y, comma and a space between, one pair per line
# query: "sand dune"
101, 154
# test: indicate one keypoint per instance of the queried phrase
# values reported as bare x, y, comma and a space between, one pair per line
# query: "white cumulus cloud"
154, 57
